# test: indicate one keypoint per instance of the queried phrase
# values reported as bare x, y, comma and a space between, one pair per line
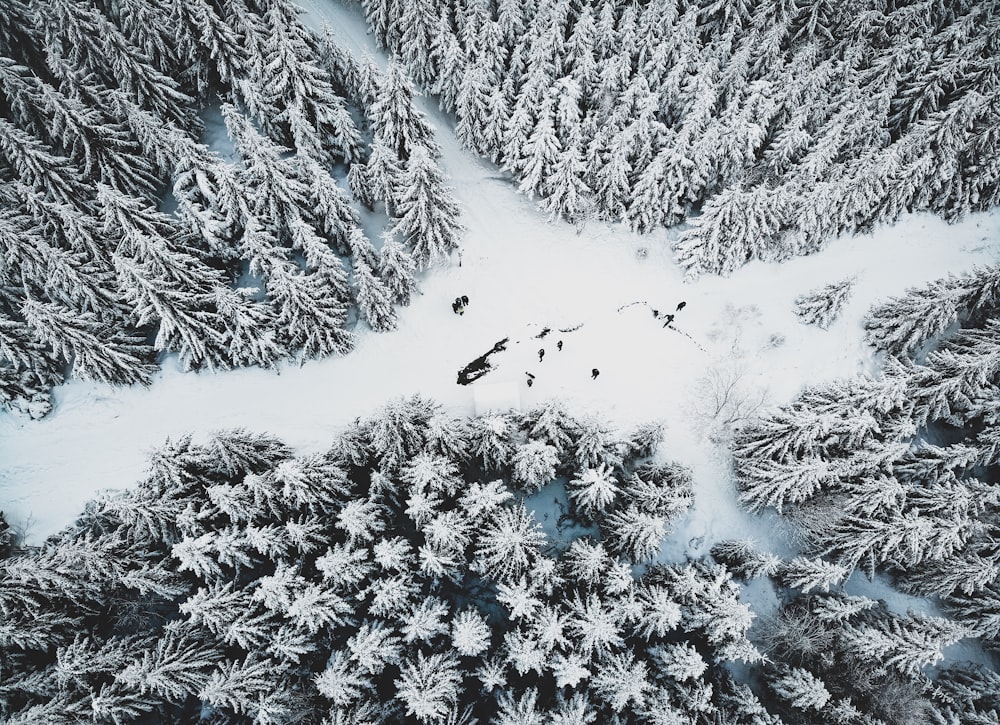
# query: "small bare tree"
725, 398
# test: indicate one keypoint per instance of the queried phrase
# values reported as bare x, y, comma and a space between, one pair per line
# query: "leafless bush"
725, 398
796, 637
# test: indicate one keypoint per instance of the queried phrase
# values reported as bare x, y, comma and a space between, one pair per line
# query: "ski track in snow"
521, 274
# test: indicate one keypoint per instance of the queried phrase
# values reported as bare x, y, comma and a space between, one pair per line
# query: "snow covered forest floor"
522, 274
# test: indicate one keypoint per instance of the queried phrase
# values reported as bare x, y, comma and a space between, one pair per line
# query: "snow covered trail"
521, 274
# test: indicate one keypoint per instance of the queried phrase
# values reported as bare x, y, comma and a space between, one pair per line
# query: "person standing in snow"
455, 307
670, 318
681, 305
531, 379
465, 300
559, 345
594, 373
541, 354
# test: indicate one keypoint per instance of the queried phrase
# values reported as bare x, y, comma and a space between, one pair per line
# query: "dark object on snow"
6, 537
456, 307
594, 373
670, 318
465, 300
681, 305
545, 331
531, 381
541, 354
656, 313
481, 365
559, 345
529, 375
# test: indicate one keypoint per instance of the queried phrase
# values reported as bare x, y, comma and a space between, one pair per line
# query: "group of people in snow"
670, 317
541, 355
460, 303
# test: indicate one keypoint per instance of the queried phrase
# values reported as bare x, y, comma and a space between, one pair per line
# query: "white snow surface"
501, 397
522, 274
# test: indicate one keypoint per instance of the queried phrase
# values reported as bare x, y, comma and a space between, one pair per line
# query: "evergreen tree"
536, 157
593, 490
95, 352
396, 269
508, 543
374, 298
395, 119
428, 686
534, 464
735, 227
567, 192
428, 217
821, 307
801, 689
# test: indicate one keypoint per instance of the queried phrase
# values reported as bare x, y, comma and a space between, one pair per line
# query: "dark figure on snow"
541, 354
656, 314
559, 345
531, 381
455, 307
681, 305
670, 318
594, 373
465, 300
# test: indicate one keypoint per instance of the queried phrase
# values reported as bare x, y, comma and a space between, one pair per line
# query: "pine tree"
396, 269
622, 679
634, 533
905, 644
341, 682
86, 38
902, 324
822, 306
175, 669
593, 491
100, 148
808, 574
309, 318
332, 211
536, 157
611, 179
374, 647
95, 351
428, 216
38, 167
374, 298
567, 194
280, 190
534, 464
237, 683
428, 686
250, 328
473, 106
735, 227
508, 543
741, 557
448, 61
801, 689
382, 177
395, 119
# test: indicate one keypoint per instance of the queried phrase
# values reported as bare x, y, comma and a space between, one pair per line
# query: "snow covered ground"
521, 274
